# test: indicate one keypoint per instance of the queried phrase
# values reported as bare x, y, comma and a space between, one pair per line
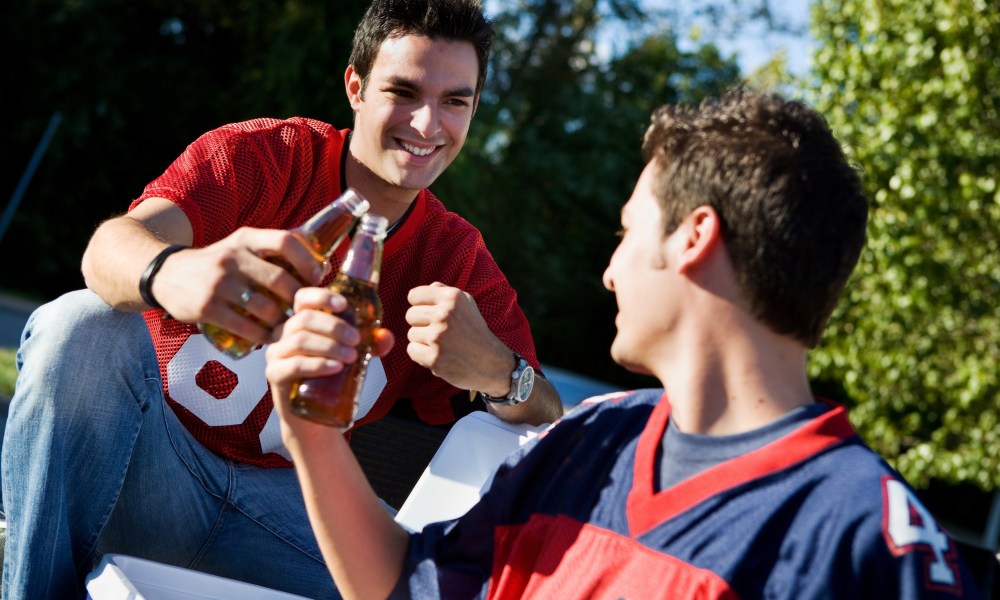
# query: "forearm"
363, 546
115, 259
121, 248
542, 406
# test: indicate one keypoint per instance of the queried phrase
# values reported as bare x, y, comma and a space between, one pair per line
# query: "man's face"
412, 118
639, 276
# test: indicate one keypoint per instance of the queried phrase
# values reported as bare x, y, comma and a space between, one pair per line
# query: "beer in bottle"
321, 235
333, 399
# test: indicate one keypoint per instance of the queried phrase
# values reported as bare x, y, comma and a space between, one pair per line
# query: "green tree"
135, 83
911, 85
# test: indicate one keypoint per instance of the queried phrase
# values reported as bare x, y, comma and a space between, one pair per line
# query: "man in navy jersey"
733, 480
138, 437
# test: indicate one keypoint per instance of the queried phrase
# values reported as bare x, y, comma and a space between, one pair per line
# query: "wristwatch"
522, 380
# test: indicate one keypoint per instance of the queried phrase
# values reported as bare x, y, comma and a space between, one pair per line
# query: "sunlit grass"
8, 372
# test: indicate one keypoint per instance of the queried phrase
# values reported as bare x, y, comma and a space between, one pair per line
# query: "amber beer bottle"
333, 399
322, 235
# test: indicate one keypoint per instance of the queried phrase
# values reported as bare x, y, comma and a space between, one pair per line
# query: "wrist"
302, 436
520, 382
500, 382
146, 280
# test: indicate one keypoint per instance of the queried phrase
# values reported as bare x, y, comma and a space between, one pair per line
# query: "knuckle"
433, 354
273, 277
441, 314
241, 236
451, 297
288, 242
298, 337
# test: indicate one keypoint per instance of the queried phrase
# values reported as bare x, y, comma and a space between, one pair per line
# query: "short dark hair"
791, 206
453, 20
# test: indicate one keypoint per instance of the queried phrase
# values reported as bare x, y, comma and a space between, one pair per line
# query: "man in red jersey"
731, 481
95, 463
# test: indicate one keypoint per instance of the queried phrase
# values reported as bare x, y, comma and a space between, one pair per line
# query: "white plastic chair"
121, 577
461, 468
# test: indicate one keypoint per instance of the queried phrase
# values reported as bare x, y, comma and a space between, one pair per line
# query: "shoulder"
629, 408
278, 132
596, 432
619, 401
269, 124
885, 524
444, 220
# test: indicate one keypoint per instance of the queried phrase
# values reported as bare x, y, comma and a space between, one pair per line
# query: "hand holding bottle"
332, 399
315, 342
204, 284
320, 235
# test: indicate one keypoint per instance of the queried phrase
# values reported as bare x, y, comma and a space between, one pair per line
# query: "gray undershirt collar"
683, 455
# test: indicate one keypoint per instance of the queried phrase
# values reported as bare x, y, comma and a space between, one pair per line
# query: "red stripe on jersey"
646, 509
558, 557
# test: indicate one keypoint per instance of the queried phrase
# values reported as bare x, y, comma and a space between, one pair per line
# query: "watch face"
525, 383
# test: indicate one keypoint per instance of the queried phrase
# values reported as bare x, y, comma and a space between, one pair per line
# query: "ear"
352, 83
700, 234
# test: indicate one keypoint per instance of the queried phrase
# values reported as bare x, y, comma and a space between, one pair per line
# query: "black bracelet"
146, 281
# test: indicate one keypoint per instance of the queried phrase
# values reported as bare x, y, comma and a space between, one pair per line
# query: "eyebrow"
460, 92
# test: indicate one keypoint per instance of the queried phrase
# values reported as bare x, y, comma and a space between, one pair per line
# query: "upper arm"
164, 219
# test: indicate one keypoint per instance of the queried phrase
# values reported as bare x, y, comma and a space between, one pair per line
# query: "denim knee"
77, 344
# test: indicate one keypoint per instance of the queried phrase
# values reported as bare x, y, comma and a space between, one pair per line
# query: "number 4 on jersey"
909, 527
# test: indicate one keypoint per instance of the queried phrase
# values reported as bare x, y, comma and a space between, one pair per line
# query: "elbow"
87, 268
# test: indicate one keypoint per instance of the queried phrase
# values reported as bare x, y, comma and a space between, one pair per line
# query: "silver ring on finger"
245, 296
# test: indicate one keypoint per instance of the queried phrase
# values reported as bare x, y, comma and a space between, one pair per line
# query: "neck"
735, 382
385, 199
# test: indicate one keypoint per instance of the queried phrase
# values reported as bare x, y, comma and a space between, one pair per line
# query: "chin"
628, 359
634, 367
416, 182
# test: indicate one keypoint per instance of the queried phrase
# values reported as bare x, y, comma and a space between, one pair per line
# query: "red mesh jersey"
276, 174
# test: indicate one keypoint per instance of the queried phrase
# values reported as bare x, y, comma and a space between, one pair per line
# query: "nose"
426, 120
609, 284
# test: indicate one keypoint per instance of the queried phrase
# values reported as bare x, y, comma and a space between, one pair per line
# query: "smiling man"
138, 437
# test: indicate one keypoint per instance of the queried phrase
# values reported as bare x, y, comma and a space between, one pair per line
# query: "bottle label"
360, 262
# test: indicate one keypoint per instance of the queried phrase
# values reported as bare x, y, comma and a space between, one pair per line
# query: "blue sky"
752, 45
755, 45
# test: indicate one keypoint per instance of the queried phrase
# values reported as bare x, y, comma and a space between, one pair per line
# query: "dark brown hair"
792, 210
453, 20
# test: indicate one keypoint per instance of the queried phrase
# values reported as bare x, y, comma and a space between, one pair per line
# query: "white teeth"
415, 150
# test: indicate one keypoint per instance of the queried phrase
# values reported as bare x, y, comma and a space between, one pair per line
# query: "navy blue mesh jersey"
813, 514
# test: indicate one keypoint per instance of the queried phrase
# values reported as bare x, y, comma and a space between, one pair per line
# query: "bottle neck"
364, 259
327, 228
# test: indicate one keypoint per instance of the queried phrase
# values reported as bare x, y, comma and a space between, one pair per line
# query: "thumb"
384, 341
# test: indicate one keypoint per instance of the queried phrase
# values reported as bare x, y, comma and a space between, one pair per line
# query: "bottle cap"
374, 224
355, 201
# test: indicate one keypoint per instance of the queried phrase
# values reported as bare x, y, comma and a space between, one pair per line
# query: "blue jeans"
94, 462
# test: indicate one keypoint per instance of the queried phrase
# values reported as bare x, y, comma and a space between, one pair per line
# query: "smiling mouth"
416, 150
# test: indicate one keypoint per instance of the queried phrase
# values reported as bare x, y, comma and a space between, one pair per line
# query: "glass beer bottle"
333, 399
321, 235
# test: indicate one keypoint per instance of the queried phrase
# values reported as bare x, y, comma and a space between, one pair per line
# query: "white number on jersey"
910, 525
236, 406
